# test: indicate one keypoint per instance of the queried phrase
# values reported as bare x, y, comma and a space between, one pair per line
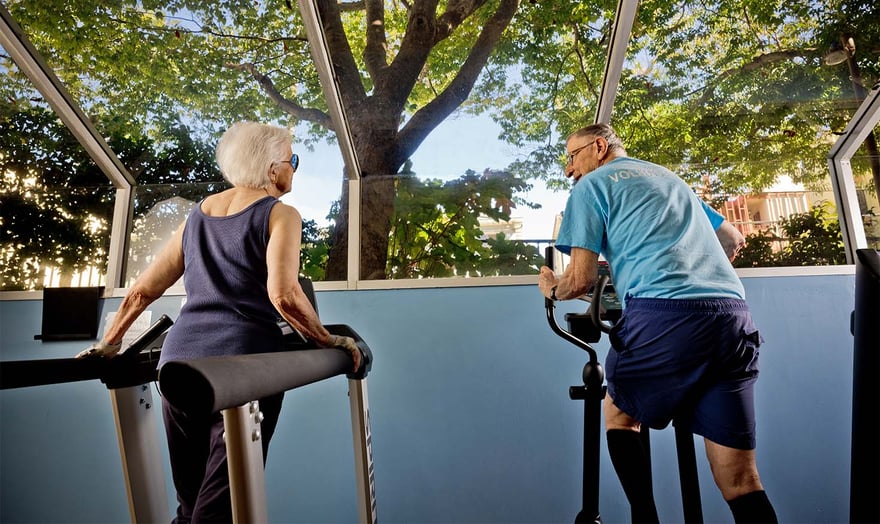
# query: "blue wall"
470, 413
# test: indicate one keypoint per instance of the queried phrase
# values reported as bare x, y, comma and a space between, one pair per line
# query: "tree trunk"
378, 194
374, 129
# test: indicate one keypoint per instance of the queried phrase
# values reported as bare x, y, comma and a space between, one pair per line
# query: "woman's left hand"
347, 344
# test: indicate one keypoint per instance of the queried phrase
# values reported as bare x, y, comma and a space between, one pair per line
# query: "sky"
460, 143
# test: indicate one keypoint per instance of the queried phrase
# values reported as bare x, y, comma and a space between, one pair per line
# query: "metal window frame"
308, 10
30, 61
621, 31
34, 66
843, 184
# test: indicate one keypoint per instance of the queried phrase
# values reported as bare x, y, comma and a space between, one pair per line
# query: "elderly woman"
238, 252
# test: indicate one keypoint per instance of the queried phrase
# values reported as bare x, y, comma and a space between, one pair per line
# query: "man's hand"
100, 349
546, 281
347, 344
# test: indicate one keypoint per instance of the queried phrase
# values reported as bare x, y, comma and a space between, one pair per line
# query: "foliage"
510, 257
57, 205
313, 254
436, 231
733, 91
812, 238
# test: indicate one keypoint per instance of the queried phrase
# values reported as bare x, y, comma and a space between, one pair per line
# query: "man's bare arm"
731, 239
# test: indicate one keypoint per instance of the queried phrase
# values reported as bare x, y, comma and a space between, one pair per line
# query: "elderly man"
685, 348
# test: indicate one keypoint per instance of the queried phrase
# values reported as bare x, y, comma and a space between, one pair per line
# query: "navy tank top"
227, 309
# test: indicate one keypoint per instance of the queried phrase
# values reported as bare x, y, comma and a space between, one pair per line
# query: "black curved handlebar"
550, 307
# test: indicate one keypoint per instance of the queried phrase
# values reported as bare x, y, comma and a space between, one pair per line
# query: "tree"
190, 46
57, 205
50, 189
730, 89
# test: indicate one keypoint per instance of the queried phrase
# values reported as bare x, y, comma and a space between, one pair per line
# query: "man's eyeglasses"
294, 161
576, 151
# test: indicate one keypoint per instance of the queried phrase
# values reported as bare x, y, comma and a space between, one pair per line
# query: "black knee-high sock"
633, 468
752, 508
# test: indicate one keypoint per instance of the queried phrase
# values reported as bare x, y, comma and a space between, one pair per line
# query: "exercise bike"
603, 312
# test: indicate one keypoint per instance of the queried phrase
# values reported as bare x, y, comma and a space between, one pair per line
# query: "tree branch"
348, 78
348, 7
375, 52
456, 12
398, 79
291, 108
203, 31
428, 117
756, 63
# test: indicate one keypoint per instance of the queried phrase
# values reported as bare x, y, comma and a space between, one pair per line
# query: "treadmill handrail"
212, 384
125, 369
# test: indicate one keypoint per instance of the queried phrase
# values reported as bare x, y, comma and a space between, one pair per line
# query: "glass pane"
159, 211
317, 186
463, 213
743, 104
162, 80
459, 135
866, 171
55, 204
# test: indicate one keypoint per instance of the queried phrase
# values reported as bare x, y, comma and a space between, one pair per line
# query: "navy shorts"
694, 362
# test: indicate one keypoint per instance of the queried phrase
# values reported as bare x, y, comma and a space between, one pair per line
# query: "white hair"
247, 150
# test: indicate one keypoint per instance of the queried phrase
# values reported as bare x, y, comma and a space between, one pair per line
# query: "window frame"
31, 62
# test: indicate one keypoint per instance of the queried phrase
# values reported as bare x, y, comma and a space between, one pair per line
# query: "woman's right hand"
347, 344
100, 349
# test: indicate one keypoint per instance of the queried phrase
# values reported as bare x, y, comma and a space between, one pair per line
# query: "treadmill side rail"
244, 457
137, 433
363, 451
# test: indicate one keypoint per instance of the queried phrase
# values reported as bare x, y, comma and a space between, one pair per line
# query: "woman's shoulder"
215, 201
282, 207
284, 213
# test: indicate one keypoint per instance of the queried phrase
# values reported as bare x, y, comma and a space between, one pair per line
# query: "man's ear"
602, 144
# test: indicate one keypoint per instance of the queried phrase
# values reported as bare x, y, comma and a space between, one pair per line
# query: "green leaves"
436, 230
735, 91
57, 204
804, 239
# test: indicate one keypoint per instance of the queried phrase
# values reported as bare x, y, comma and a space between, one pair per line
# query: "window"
56, 206
458, 135
453, 144
161, 84
746, 109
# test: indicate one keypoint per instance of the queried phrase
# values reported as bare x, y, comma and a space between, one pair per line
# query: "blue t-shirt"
653, 231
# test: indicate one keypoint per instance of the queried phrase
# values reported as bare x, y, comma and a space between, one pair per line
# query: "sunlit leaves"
436, 228
812, 238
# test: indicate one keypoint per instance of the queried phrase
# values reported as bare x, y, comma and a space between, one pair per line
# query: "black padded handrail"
211, 384
28, 373
128, 368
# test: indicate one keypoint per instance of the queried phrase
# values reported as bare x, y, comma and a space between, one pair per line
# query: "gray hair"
615, 144
247, 150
